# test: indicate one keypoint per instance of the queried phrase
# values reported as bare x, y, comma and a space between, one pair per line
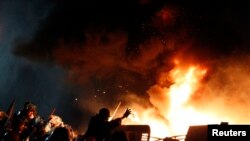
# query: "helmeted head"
30, 110
104, 113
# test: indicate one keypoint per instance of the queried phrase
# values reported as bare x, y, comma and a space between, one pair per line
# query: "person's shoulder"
95, 117
92, 119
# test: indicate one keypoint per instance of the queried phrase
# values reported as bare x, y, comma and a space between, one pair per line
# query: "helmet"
28, 106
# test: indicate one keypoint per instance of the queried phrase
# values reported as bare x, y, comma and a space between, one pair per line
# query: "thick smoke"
116, 53
226, 93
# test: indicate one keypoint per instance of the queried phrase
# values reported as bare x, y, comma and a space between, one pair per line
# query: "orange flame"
176, 115
186, 82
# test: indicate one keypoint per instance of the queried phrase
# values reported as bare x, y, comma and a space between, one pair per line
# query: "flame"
176, 114
186, 82
158, 126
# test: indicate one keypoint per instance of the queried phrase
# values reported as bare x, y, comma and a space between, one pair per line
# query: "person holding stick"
100, 126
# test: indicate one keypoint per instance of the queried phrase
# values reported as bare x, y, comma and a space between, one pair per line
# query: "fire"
186, 82
157, 125
176, 114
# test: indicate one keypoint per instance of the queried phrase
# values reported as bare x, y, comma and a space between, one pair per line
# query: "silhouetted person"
34, 123
17, 126
60, 134
119, 136
3, 123
100, 128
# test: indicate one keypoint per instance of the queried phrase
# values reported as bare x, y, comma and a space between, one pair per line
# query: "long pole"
117, 107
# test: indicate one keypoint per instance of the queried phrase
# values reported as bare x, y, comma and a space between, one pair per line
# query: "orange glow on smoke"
176, 113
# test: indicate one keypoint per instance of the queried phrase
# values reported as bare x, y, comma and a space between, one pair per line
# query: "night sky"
79, 55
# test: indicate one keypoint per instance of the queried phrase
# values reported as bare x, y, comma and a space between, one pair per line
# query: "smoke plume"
125, 53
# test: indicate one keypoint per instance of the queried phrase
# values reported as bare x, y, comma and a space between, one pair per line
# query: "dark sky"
62, 53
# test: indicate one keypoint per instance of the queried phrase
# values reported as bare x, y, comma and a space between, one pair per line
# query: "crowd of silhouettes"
28, 125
